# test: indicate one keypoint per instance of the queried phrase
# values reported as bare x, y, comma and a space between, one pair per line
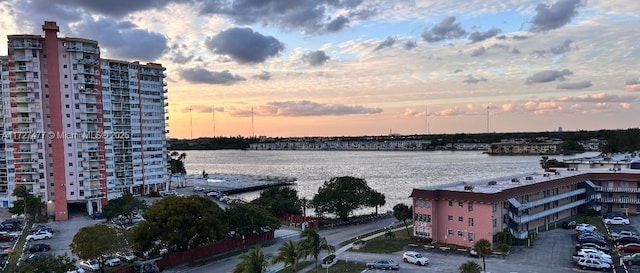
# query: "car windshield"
418, 255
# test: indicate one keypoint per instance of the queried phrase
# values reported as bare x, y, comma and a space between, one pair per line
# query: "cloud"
481, 36
315, 58
304, 109
474, 79
244, 45
632, 85
123, 40
574, 85
180, 58
386, 43
201, 109
585, 104
556, 50
548, 76
445, 30
264, 75
308, 16
478, 52
201, 75
410, 113
520, 37
455, 111
554, 16
409, 45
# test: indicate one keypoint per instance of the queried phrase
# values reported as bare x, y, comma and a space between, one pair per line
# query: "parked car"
112, 261
585, 227
592, 246
603, 259
383, 264
616, 221
198, 188
630, 248
37, 248
213, 194
623, 233
597, 241
126, 256
569, 225
41, 235
76, 270
614, 214
10, 227
627, 240
97, 215
7, 237
34, 257
593, 264
91, 265
414, 258
631, 259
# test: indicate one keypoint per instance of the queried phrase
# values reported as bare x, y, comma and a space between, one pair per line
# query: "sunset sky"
368, 67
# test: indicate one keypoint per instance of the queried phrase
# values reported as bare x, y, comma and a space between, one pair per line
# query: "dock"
240, 183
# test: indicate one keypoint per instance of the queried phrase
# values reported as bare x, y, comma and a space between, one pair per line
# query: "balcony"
23, 89
20, 58
530, 217
22, 68
17, 44
619, 189
87, 61
23, 99
619, 200
551, 199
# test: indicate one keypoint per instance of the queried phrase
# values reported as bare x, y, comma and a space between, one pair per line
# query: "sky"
287, 68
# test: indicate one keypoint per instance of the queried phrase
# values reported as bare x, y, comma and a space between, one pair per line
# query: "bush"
593, 212
503, 247
329, 259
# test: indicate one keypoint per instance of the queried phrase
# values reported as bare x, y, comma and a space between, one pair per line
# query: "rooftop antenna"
488, 114
427, 118
253, 134
191, 121
213, 111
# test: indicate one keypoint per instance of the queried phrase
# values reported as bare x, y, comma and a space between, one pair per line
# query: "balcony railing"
530, 217
619, 189
620, 200
551, 199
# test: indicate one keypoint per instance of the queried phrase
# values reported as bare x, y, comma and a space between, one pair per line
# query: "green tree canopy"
179, 223
483, 248
48, 264
33, 203
289, 253
126, 206
279, 201
376, 199
403, 213
249, 219
312, 244
341, 196
98, 241
470, 267
253, 261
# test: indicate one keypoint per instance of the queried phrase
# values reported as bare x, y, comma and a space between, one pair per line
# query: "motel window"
460, 204
450, 232
460, 219
450, 217
450, 203
470, 222
624, 206
471, 236
470, 206
495, 207
459, 233
428, 218
495, 223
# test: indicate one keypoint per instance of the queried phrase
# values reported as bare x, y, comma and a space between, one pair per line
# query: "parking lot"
634, 221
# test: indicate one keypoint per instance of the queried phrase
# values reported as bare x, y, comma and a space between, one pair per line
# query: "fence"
297, 220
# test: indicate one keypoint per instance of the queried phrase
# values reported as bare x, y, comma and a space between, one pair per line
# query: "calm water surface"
393, 173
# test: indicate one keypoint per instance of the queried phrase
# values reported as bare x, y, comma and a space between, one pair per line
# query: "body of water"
394, 173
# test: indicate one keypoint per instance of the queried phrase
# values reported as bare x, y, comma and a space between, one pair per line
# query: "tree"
312, 244
179, 223
97, 242
376, 199
176, 165
544, 163
483, 248
253, 261
249, 219
403, 213
126, 206
33, 204
341, 196
470, 267
48, 264
304, 204
289, 253
279, 201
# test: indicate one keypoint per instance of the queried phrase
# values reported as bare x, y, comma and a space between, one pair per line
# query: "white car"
112, 261
617, 221
592, 264
623, 233
40, 235
585, 251
585, 227
198, 188
213, 194
76, 270
91, 265
127, 256
414, 258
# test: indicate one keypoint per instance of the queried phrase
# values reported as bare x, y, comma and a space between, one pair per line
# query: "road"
334, 237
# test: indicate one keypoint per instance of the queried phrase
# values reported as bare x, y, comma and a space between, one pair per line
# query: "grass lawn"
15, 255
342, 267
595, 221
383, 244
300, 266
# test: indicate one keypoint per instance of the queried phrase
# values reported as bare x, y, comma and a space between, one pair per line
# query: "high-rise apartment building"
79, 130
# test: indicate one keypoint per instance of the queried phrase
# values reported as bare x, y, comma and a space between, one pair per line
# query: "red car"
630, 248
7, 237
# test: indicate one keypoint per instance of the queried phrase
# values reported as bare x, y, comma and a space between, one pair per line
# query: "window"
624, 206
36, 75
470, 206
66, 76
470, 221
450, 217
460, 204
460, 219
450, 232
66, 86
495, 223
471, 236
450, 203
428, 218
34, 53
75, 67
70, 164
495, 207
64, 66
459, 233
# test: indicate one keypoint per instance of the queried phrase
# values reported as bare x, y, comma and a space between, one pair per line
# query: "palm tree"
376, 199
483, 248
253, 261
312, 244
470, 267
176, 165
289, 253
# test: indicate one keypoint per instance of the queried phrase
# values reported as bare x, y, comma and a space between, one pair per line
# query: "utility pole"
488, 107
253, 134
191, 121
213, 111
